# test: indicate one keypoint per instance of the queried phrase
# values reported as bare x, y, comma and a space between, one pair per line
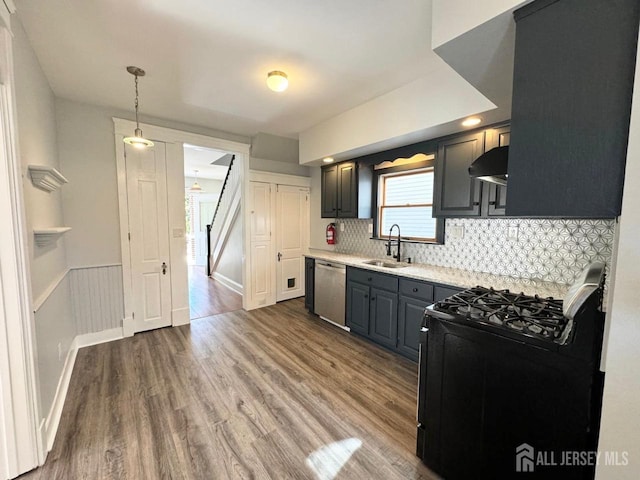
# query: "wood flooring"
208, 296
264, 394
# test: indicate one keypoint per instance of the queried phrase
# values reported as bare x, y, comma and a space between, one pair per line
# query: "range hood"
491, 166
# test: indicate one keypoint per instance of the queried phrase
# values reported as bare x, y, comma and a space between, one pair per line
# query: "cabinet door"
358, 307
347, 190
309, 283
457, 194
497, 198
329, 192
384, 317
410, 316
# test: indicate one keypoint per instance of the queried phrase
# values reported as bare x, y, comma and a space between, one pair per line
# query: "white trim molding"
279, 178
46, 178
21, 445
227, 282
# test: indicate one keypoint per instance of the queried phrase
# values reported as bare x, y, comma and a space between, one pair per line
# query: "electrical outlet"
60, 351
341, 227
456, 231
512, 234
370, 229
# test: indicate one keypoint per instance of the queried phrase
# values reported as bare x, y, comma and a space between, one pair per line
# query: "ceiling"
207, 60
201, 159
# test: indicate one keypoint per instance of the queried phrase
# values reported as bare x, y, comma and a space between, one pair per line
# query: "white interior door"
292, 232
205, 206
149, 236
260, 207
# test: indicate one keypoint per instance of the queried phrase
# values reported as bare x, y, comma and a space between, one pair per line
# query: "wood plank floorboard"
208, 296
240, 395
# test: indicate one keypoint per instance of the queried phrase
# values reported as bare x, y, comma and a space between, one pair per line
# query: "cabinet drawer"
417, 289
378, 280
443, 292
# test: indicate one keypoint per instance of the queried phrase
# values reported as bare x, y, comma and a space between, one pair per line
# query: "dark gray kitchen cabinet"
309, 283
415, 296
410, 315
456, 193
357, 307
329, 191
383, 325
495, 196
346, 191
440, 292
572, 89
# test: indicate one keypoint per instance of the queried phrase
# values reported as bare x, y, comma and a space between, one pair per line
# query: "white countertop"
450, 276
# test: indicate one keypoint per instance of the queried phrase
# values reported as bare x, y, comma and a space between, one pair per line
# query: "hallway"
208, 296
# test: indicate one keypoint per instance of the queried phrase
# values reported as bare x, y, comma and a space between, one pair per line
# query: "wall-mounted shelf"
45, 236
46, 178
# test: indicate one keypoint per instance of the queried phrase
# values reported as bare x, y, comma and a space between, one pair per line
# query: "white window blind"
407, 199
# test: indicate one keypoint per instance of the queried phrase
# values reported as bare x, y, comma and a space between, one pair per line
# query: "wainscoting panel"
97, 298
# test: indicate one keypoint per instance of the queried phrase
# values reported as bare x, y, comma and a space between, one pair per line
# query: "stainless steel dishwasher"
330, 292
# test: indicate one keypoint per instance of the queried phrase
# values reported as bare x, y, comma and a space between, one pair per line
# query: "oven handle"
422, 375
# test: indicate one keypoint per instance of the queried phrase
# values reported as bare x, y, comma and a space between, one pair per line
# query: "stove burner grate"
534, 316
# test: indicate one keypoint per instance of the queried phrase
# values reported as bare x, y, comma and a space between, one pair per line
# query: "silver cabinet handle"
164, 268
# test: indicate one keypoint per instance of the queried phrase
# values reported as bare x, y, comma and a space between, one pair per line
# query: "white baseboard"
180, 316
53, 419
88, 339
51, 423
227, 282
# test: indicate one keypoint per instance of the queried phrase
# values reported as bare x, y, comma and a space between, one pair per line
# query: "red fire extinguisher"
331, 234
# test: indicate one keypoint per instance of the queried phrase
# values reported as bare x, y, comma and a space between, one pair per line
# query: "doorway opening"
210, 293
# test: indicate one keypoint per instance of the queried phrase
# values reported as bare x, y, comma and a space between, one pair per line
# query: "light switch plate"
512, 234
370, 228
341, 227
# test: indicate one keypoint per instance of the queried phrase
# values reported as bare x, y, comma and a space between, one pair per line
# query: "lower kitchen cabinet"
357, 307
410, 313
309, 283
388, 309
384, 317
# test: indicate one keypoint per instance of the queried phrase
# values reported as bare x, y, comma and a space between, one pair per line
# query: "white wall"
408, 114
452, 18
317, 236
620, 426
230, 263
54, 325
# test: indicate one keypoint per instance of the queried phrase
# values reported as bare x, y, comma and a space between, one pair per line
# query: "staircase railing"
229, 187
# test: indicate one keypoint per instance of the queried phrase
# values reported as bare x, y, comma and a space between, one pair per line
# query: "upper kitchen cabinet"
572, 89
456, 193
346, 191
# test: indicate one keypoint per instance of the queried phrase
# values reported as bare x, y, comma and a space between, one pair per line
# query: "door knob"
164, 268
279, 256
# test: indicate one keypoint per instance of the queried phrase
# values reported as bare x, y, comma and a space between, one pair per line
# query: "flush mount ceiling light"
277, 81
471, 122
327, 159
137, 140
196, 186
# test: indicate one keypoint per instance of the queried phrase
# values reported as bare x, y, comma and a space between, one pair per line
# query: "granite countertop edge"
449, 276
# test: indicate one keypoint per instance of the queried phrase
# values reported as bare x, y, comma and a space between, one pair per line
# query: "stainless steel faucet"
397, 256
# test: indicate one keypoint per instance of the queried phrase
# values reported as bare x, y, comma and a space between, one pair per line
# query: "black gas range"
504, 375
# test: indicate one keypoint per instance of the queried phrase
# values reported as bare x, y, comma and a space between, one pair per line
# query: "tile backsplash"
550, 250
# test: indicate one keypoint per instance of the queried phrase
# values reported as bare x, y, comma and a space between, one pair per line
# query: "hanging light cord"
136, 103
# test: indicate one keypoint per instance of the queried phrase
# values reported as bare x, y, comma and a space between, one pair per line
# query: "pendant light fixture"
137, 140
196, 186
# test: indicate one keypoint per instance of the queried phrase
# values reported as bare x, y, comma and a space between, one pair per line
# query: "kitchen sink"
382, 263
